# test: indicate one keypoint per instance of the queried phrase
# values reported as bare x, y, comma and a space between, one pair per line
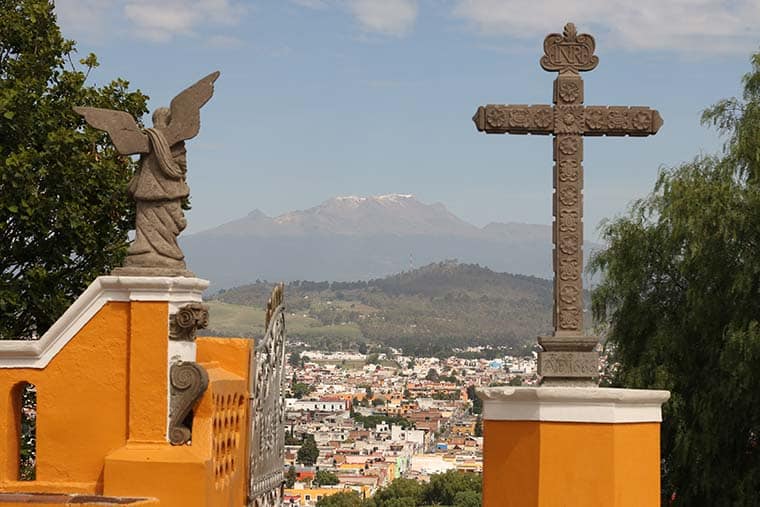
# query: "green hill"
425, 311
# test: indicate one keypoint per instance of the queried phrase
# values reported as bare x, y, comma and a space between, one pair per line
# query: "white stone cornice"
572, 404
104, 289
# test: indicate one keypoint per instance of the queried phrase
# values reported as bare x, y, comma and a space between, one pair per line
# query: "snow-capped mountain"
349, 238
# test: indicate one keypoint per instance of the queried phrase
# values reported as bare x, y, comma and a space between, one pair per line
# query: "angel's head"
161, 117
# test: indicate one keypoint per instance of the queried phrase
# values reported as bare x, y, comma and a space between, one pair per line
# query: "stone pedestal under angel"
159, 185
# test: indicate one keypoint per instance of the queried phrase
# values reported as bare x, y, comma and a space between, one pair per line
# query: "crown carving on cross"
569, 52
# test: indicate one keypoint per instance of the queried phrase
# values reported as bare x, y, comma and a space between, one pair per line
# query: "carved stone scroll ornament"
187, 321
188, 383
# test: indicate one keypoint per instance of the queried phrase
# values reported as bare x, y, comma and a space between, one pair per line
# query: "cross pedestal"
569, 356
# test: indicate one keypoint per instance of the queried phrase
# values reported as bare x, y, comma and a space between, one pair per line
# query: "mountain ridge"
360, 238
427, 310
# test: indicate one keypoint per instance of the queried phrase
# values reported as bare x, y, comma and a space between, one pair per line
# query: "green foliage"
299, 390
425, 312
468, 499
479, 427
64, 209
443, 488
453, 488
400, 493
28, 444
477, 403
325, 478
342, 499
290, 477
309, 452
371, 421
680, 299
294, 360
432, 375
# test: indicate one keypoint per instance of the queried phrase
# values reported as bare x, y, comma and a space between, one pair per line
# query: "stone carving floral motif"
569, 90
569, 120
596, 118
569, 145
568, 196
542, 117
497, 117
642, 119
569, 170
569, 245
267, 452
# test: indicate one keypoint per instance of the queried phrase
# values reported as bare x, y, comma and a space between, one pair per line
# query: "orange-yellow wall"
559, 464
81, 407
102, 415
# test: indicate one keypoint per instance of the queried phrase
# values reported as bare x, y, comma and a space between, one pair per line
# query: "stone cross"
569, 357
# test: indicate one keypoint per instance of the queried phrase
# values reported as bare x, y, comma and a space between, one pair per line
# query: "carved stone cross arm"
543, 119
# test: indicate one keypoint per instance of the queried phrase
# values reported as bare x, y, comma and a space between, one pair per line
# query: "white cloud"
694, 26
390, 17
148, 19
387, 17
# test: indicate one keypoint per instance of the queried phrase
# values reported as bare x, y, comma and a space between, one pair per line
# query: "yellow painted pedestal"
571, 447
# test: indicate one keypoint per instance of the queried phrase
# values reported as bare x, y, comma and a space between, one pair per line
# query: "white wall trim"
572, 404
104, 289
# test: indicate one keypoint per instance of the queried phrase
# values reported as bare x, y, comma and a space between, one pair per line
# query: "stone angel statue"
159, 184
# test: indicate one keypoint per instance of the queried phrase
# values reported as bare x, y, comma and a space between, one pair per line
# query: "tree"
477, 403
443, 488
325, 478
679, 299
401, 492
342, 499
299, 390
290, 477
308, 452
64, 209
478, 427
294, 360
432, 375
468, 499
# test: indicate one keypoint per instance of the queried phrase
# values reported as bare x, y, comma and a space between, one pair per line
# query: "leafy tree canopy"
308, 452
342, 499
64, 210
325, 478
681, 301
290, 477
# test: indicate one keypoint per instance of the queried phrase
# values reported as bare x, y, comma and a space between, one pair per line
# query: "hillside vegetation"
427, 310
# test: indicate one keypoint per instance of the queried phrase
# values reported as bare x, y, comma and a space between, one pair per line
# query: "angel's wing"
120, 125
186, 109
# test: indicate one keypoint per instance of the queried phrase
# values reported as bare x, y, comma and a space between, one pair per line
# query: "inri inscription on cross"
568, 356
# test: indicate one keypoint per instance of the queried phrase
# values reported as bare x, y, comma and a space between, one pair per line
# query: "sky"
320, 98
